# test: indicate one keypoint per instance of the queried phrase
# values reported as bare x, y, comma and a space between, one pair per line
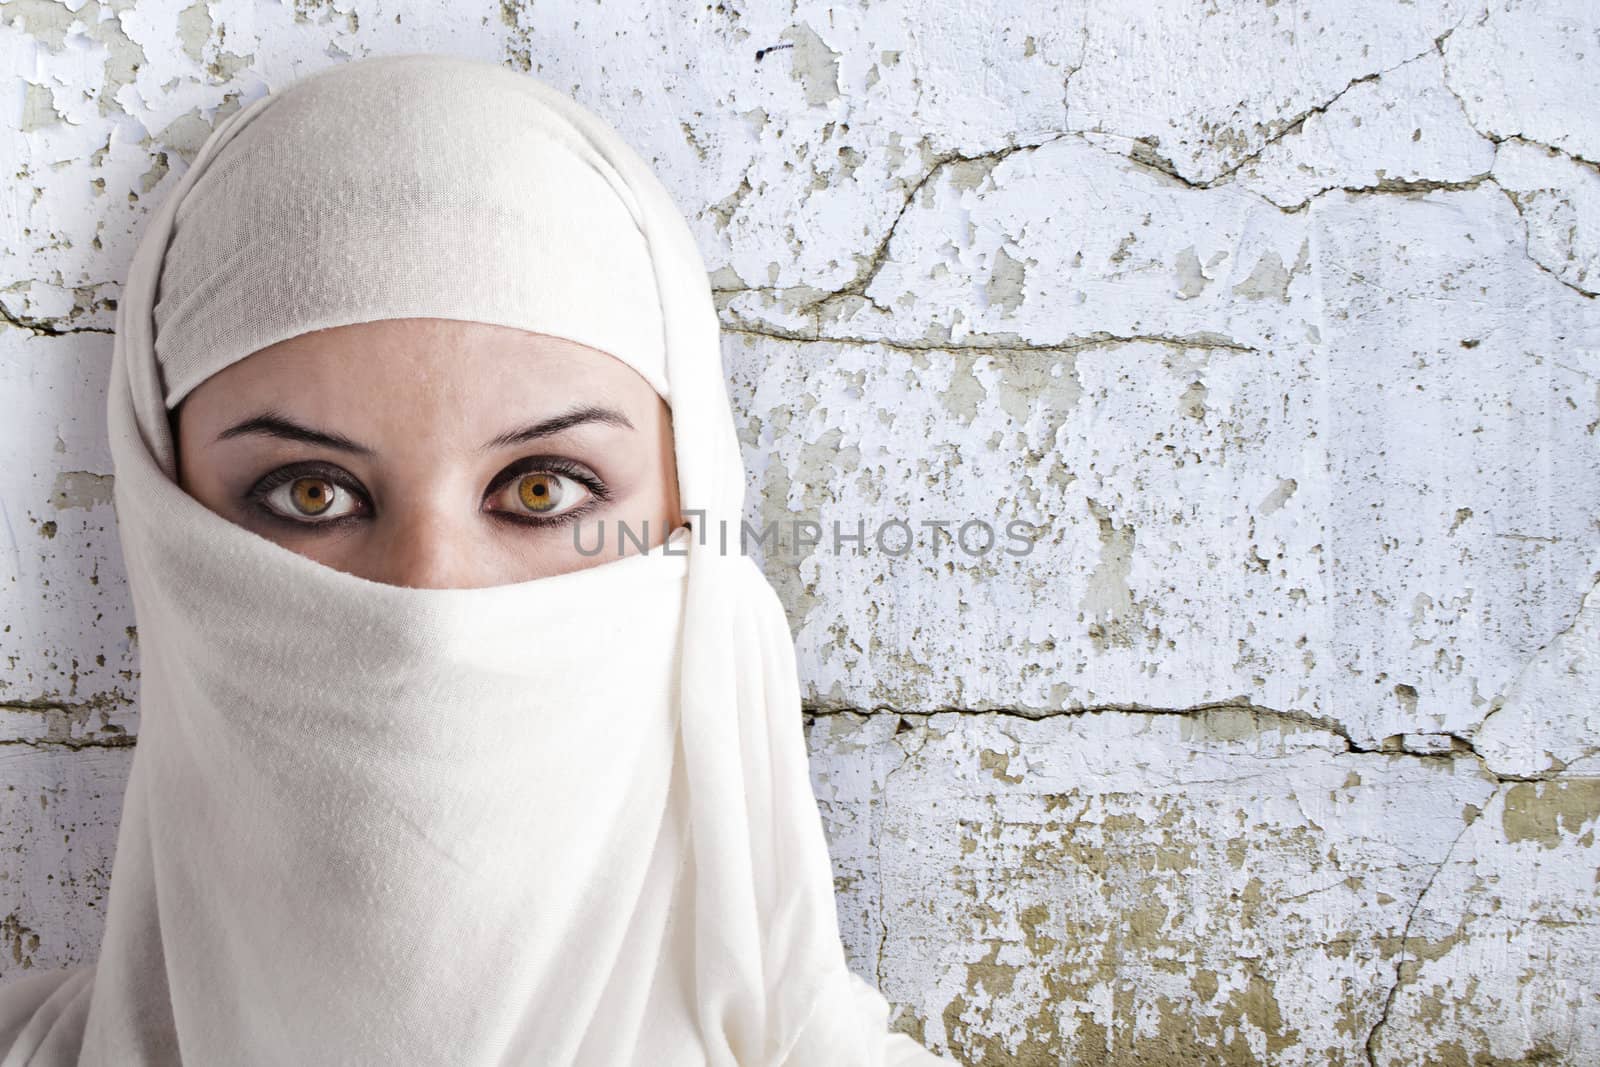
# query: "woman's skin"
421, 493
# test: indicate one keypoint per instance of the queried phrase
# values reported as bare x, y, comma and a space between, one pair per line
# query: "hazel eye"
311, 496
541, 493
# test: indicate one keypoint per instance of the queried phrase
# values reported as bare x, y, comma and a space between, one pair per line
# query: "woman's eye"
540, 493
311, 496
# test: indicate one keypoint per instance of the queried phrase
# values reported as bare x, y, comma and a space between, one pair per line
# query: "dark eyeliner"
256, 496
599, 492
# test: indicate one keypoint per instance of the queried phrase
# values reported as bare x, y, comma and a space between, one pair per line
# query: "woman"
422, 777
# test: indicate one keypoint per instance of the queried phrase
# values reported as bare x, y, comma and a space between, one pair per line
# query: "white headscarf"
561, 821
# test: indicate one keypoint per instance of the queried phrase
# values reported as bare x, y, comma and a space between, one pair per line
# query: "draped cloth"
561, 821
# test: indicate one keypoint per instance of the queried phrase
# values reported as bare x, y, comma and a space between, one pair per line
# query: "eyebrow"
274, 424
558, 423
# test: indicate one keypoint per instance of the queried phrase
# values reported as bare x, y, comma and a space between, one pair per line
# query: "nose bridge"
427, 545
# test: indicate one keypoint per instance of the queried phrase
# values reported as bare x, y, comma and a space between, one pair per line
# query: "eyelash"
257, 495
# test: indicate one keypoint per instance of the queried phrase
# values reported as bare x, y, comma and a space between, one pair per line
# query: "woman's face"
433, 453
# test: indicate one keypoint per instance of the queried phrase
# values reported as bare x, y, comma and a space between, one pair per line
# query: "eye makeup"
259, 497
598, 491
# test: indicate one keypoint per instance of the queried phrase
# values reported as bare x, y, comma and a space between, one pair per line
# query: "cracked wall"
1278, 322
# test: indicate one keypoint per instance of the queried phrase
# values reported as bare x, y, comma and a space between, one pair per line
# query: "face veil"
562, 821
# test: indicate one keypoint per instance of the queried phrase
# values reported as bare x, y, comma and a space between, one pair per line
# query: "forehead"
420, 376
429, 364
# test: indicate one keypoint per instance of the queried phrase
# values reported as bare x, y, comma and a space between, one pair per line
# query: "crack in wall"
877, 841
873, 261
1386, 186
1403, 744
1438, 48
1498, 704
1527, 244
1370, 1046
1500, 139
67, 725
1144, 152
119, 741
978, 342
105, 702
46, 327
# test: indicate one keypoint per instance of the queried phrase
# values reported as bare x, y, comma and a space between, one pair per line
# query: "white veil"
562, 821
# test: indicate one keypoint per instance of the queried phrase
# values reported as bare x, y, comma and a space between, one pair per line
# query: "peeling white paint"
1277, 321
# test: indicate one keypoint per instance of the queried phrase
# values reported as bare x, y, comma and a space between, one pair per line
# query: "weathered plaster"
1277, 322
